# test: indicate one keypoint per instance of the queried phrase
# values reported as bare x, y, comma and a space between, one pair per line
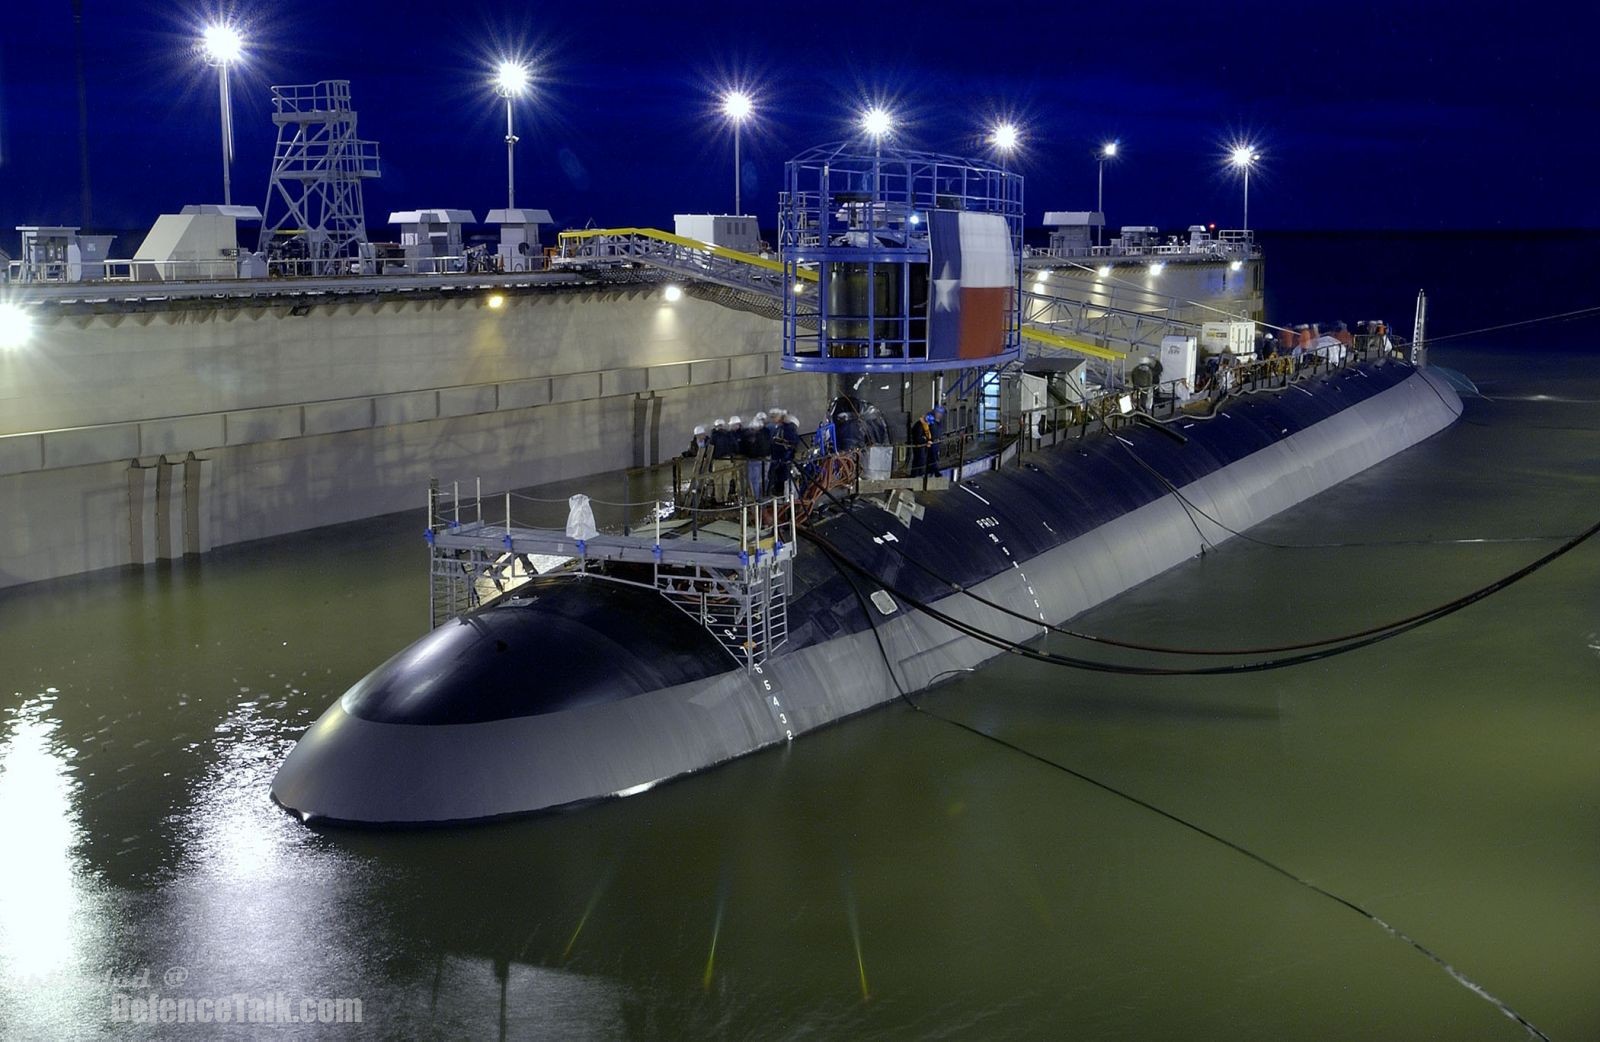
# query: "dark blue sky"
1403, 115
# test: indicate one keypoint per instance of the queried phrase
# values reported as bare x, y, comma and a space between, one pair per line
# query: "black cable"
984, 636
1238, 848
1189, 505
1512, 325
1155, 809
1134, 645
1205, 544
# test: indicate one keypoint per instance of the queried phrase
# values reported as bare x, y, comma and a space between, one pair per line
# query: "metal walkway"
727, 569
1065, 323
1051, 324
690, 258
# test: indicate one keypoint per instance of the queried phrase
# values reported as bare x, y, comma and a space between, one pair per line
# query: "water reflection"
39, 885
53, 911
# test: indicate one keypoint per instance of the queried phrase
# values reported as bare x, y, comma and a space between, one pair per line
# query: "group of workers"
757, 458
767, 447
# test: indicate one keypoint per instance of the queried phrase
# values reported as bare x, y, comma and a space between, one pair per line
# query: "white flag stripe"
985, 251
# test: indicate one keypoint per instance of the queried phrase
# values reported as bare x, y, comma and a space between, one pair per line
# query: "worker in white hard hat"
791, 429
755, 445
723, 441
697, 443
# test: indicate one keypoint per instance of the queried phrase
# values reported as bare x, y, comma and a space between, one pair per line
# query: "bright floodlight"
511, 78
737, 105
222, 44
16, 328
673, 293
1005, 137
877, 122
1108, 150
1243, 156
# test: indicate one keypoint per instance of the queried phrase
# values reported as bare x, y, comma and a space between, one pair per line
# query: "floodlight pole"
511, 157
226, 106
1100, 203
1246, 197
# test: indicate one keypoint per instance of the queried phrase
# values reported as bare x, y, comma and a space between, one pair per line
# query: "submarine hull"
1050, 540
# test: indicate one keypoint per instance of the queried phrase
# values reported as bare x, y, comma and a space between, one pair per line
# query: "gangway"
728, 568
677, 254
1065, 323
1051, 323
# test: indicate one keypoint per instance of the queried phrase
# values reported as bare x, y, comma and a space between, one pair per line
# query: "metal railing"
677, 254
1020, 432
1113, 409
1100, 324
725, 566
1229, 244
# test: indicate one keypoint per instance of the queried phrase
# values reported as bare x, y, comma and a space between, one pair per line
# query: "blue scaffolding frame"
854, 231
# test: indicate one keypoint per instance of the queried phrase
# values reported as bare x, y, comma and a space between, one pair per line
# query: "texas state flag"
973, 276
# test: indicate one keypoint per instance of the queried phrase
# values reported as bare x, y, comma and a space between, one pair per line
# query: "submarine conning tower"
899, 262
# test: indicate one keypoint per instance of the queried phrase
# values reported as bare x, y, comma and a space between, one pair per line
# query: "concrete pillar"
646, 430
141, 513
197, 538
169, 509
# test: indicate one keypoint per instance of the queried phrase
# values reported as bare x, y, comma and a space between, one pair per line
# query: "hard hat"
699, 429
734, 421
719, 423
759, 417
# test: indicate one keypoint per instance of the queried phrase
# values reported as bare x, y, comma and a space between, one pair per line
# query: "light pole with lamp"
511, 82
222, 46
737, 106
1107, 151
1243, 158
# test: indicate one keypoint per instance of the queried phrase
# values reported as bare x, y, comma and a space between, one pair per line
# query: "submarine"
600, 679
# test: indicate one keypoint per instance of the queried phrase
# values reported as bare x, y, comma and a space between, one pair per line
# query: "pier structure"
144, 421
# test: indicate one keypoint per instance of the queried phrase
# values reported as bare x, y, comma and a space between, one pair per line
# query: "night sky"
1403, 116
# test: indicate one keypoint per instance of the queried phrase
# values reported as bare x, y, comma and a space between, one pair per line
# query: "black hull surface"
573, 691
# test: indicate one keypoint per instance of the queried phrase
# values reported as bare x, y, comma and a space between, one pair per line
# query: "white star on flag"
945, 288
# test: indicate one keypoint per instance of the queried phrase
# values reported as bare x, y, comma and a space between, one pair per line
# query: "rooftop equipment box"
733, 231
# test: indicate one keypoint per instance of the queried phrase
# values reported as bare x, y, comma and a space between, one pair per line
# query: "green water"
893, 875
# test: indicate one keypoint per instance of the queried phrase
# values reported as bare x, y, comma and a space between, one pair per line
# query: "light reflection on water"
39, 902
890, 875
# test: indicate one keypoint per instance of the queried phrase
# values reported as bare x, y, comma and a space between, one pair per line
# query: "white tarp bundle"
580, 518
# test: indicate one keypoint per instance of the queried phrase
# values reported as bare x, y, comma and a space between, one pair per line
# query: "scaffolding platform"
714, 546
726, 568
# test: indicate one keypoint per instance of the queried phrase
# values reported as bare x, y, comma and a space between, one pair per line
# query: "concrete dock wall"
125, 438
